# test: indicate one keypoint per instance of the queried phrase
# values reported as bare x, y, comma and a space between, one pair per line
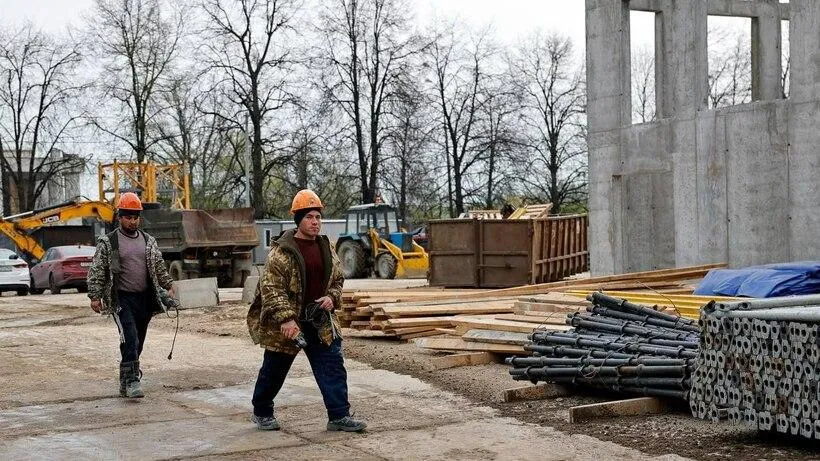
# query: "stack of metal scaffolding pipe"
615, 345
758, 364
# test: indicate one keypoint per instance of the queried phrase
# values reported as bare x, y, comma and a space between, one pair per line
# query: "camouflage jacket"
101, 283
280, 294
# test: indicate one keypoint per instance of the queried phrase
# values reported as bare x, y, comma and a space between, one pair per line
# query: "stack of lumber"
494, 320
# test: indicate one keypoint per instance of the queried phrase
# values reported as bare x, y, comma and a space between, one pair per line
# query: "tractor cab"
373, 242
379, 217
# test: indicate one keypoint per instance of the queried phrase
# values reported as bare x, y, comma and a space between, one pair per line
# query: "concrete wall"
736, 185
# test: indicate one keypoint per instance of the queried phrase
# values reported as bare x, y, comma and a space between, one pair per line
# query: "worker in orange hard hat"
293, 309
128, 280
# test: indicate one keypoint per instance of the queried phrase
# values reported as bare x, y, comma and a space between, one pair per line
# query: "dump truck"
204, 243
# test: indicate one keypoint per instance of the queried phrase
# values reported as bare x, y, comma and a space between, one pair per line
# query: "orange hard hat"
129, 201
305, 198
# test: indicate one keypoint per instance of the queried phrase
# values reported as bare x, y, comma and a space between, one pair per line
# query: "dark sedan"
62, 267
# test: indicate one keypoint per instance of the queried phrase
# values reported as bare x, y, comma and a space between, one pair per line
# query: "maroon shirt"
314, 268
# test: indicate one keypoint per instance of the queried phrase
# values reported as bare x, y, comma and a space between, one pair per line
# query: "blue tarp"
785, 279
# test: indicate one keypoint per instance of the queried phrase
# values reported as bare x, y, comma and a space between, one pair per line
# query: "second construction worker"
293, 309
127, 280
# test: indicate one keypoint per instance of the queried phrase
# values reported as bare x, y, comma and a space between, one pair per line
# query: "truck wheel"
352, 257
386, 266
175, 270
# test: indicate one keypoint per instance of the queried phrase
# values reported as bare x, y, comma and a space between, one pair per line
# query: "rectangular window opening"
785, 61
728, 42
642, 65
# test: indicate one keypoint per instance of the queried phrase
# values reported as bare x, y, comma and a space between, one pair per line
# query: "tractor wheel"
352, 257
386, 266
175, 271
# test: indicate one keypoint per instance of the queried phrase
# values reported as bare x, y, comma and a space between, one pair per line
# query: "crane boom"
18, 228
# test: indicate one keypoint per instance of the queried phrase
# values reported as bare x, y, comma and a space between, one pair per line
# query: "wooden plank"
449, 309
420, 334
419, 321
559, 319
458, 344
463, 324
537, 392
407, 331
496, 337
367, 334
461, 360
628, 407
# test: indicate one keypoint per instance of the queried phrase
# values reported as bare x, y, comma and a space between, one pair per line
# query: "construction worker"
293, 309
126, 280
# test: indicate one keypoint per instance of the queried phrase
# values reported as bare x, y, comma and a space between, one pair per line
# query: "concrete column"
609, 110
766, 52
804, 119
804, 41
684, 78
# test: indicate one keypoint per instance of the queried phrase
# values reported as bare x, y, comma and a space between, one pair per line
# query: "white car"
14, 274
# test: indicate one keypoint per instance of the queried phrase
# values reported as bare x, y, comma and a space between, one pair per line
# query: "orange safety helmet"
129, 201
305, 198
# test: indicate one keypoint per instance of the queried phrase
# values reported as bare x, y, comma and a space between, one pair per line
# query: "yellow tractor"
373, 243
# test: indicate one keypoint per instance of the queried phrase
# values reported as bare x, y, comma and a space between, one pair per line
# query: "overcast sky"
510, 18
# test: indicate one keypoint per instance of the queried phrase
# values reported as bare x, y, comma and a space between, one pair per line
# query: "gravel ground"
675, 432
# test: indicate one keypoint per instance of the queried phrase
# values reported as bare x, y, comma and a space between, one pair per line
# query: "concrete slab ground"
58, 400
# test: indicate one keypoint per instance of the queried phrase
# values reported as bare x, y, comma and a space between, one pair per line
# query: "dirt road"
58, 399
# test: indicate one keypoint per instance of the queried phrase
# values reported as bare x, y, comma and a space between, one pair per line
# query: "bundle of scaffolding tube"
615, 345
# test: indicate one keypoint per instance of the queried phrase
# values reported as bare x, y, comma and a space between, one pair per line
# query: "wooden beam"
458, 344
496, 337
537, 392
461, 360
629, 407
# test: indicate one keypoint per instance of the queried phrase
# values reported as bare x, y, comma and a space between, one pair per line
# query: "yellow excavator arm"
18, 227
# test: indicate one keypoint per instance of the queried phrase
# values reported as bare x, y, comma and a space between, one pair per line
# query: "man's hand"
290, 329
96, 305
171, 292
325, 302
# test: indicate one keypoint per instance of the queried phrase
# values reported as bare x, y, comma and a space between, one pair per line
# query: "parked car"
420, 236
14, 273
62, 267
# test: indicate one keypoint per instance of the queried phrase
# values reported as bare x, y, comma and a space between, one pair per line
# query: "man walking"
125, 281
293, 308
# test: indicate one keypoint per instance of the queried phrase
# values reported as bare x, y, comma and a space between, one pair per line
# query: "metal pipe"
624, 305
768, 303
676, 325
578, 361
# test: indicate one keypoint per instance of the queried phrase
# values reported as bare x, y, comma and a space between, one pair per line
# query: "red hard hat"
129, 201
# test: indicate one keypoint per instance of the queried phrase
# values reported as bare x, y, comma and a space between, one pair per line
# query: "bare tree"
497, 136
408, 174
39, 81
459, 77
248, 50
643, 86
367, 45
138, 43
209, 145
554, 100
730, 69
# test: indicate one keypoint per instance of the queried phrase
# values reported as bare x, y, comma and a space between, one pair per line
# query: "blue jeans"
329, 371
132, 321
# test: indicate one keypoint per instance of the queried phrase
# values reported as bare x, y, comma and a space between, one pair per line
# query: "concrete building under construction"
736, 184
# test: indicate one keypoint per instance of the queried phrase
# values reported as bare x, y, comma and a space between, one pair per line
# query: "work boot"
266, 423
124, 370
347, 424
133, 389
